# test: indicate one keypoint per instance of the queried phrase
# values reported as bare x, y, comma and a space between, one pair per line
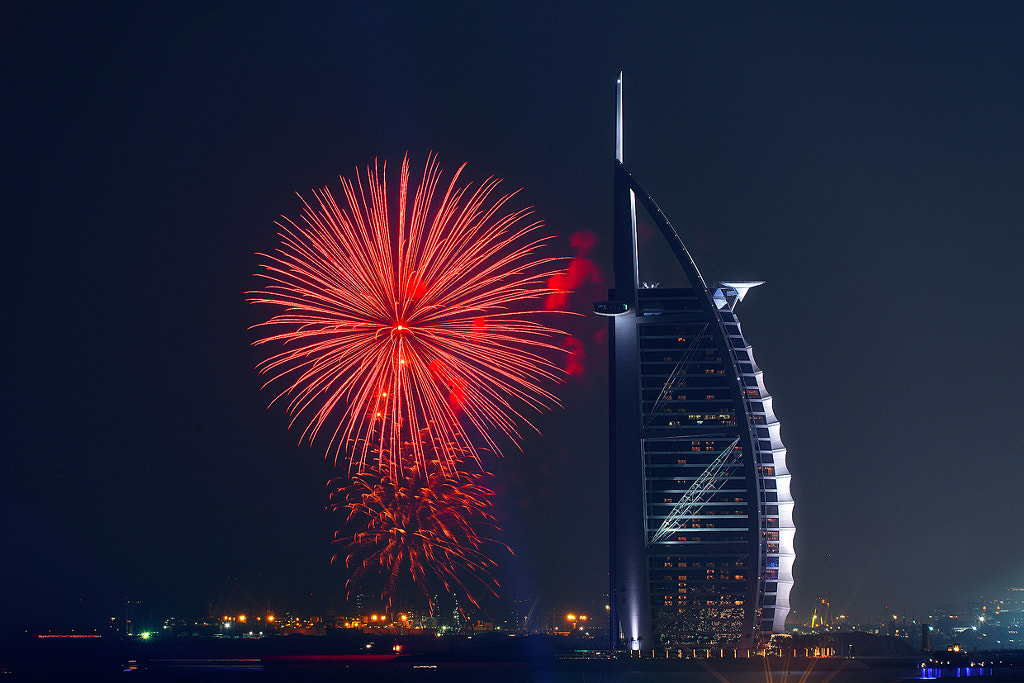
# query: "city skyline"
864, 161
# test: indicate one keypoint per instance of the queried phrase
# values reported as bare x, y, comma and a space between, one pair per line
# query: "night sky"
865, 159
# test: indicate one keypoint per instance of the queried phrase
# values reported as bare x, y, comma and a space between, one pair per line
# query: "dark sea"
192, 660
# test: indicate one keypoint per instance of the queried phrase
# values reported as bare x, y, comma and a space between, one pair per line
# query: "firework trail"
426, 526
410, 329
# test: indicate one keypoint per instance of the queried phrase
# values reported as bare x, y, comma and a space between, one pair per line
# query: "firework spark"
431, 527
405, 319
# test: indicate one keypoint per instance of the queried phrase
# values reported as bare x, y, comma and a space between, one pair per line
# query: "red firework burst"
410, 319
427, 526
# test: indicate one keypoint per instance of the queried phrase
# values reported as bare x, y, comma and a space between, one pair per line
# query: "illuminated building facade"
701, 512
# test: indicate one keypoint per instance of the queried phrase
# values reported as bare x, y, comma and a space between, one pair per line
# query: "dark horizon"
864, 160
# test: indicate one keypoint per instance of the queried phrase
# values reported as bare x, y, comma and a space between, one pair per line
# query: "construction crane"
697, 495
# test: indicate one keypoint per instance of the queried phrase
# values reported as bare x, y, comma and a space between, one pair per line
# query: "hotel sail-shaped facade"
701, 512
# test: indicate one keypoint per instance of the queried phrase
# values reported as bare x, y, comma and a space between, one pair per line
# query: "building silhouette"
701, 512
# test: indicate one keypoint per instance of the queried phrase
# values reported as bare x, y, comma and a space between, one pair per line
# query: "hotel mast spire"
618, 119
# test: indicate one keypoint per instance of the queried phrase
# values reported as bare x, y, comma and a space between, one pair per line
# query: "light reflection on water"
932, 673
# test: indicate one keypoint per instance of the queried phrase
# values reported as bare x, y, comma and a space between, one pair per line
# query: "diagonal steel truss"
698, 494
679, 370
